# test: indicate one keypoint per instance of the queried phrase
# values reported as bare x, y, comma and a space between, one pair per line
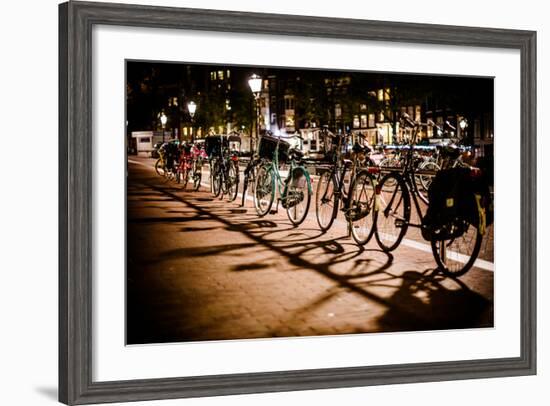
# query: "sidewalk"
204, 269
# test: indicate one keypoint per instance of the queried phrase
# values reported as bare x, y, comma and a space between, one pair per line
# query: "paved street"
200, 268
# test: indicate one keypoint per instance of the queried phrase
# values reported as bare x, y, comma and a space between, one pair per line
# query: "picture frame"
76, 19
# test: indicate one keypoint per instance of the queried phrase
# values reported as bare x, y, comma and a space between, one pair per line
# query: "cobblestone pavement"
200, 268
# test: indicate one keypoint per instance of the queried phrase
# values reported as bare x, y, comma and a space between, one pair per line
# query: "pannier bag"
458, 197
268, 145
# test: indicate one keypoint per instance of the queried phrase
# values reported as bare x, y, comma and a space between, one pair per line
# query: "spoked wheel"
197, 177
232, 181
264, 191
455, 257
160, 167
326, 201
361, 214
426, 180
216, 180
393, 212
184, 177
249, 183
298, 196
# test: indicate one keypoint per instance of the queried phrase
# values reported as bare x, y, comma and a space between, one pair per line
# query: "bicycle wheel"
249, 182
360, 213
393, 211
216, 179
456, 256
426, 180
197, 176
298, 196
232, 181
326, 201
160, 167
264, 191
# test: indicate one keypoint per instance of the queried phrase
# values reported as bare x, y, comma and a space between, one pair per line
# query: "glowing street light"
192, 107
163, 121
255, 83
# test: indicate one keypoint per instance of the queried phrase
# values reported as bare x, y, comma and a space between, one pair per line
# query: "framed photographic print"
259, 202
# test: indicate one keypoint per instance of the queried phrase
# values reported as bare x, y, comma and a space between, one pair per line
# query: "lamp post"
163, 120
192, 107
255, 83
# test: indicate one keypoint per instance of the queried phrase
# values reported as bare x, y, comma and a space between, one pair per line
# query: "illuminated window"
220, 74
417, 113
387, 94
380, 117
371, 120
380, 94
227, 73
338, 110
363, 107
363, 120
356, 121
175, 101
227, 105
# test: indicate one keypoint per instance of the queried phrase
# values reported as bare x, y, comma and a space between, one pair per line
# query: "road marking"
480, 263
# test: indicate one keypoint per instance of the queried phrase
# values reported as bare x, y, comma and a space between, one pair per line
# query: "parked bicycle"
294, 192
356, 201
454, 250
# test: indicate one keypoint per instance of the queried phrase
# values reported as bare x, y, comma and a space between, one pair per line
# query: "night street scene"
267, 202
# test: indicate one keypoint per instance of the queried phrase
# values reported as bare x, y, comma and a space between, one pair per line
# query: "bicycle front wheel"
326, 201
264, 191
298, 196
197, 177
393, 211
361, 214
160, 167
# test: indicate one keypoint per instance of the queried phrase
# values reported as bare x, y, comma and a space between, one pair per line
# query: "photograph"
267, 202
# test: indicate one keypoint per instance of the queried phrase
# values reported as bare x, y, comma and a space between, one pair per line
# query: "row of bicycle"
374, 197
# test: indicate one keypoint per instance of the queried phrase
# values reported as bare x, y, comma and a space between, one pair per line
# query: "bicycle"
356, 202
224, 172
454, 256
294, 192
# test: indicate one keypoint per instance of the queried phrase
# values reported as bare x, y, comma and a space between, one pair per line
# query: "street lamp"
255, 83
163, 120
192, 107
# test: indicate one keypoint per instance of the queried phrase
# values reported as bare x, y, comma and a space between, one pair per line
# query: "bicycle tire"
232, 181
393, 191
361, 208
291, 189
468, 260
323, 197
264, 186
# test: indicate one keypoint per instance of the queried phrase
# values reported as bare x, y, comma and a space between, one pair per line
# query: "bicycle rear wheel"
298, 196
360, 213
393, 212
457, 256
326, 201
264, 191
232, 181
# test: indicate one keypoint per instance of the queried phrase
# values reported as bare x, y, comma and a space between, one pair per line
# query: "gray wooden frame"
76, 20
